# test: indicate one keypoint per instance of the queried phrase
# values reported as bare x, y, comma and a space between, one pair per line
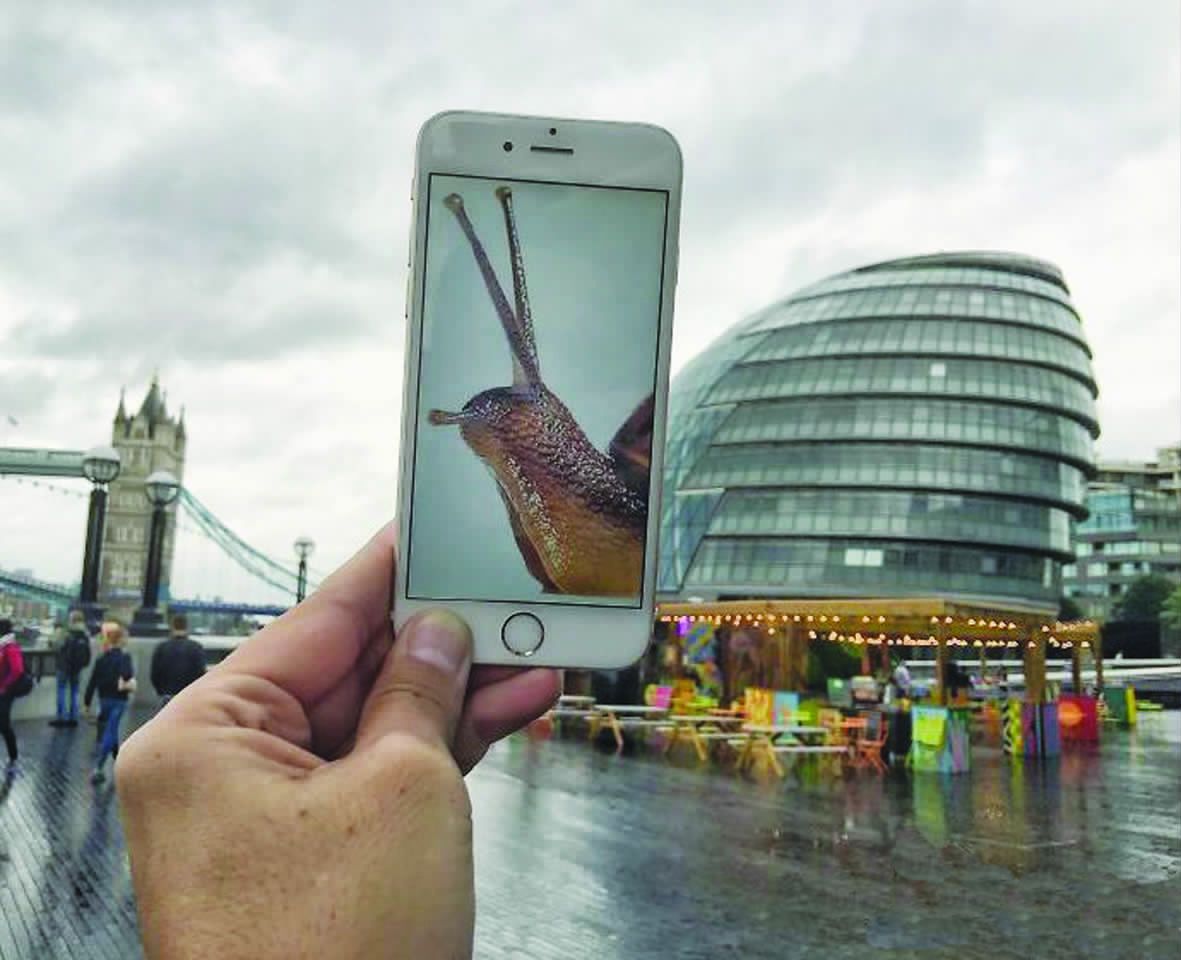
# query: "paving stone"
581, 853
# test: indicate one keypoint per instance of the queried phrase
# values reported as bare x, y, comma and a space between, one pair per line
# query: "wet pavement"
581, 853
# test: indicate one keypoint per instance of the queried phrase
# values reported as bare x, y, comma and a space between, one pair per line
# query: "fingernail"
439, 638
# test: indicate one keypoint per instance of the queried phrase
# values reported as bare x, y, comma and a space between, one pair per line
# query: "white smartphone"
539, 322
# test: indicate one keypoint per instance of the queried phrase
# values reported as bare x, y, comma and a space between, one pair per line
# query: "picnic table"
572, 707
616, 716
699, 728
763, 744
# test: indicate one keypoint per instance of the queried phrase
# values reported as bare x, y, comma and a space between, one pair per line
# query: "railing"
1115, 672
56, 592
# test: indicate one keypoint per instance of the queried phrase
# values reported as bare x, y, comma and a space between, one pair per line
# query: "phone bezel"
604, 154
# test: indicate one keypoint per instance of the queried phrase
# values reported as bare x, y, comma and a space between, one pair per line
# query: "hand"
305, 797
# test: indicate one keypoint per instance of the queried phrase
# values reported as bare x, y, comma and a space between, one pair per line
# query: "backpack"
78, 652
23, 685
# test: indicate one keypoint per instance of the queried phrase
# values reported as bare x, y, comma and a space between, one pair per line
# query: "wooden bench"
617, 716
563, 712
697, 729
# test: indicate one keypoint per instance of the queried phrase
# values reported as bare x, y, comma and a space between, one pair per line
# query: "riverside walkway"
584, 854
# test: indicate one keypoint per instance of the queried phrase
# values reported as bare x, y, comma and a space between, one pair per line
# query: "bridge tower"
148, 441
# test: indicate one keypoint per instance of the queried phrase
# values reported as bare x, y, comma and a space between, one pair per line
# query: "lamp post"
161, 488
100, 465
303, 549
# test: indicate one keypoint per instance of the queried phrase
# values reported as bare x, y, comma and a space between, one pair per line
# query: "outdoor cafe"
766, 684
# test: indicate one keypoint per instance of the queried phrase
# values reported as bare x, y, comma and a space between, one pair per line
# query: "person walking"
177, 662
113, 677
73, 656
14, 682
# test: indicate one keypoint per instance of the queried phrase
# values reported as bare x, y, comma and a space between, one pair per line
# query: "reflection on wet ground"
580, 853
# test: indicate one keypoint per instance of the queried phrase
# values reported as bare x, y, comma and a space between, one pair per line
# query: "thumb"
420, 688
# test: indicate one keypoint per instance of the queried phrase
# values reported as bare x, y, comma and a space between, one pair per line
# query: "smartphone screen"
540, 327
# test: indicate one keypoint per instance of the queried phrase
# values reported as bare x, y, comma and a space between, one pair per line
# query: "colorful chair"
759, 706
868, 750
784, 706
658, 696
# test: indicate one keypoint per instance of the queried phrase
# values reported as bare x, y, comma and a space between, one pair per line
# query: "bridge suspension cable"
203, 522
249, 558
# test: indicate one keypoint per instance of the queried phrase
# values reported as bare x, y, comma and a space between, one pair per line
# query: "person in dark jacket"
113, 677
73, 656
177, 662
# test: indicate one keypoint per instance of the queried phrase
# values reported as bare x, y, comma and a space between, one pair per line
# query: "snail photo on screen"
578, 514
531, 464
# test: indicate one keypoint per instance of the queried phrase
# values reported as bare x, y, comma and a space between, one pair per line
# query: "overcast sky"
220, 191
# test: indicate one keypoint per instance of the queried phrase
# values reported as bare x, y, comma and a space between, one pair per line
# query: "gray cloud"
182, 333
219, 191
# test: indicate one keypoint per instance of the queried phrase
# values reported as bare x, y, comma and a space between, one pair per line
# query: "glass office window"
906, 375
922, 424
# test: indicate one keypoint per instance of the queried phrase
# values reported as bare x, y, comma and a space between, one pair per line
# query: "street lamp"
100, 465
303, 549
161, 488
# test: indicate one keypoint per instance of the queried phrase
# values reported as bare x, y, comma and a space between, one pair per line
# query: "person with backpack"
14, 682
73, 656
113, 677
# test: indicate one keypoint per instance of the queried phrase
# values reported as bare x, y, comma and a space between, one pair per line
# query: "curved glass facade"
918, 426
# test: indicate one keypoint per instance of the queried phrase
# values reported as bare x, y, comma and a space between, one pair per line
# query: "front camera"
553, 131
508, 146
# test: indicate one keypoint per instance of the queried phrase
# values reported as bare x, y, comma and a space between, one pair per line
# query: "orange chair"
868, 750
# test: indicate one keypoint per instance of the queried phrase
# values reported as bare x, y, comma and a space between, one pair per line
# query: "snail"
579, 516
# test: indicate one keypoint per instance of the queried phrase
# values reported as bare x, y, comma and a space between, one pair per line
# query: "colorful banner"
1011, 739
700, 647
1078, 717
941, 740
1040, 730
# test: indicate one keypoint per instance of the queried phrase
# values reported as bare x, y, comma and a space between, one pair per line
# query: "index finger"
341, 628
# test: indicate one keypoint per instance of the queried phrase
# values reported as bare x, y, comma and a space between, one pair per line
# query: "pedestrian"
113, 677
1002, 682
14, 682
957, 681
177, 662
73, 656
901, 679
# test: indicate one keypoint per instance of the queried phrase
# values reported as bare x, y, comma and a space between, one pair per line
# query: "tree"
1069, 610
1144, 598
1170, 612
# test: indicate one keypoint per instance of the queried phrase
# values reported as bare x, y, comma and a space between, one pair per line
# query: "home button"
522, 634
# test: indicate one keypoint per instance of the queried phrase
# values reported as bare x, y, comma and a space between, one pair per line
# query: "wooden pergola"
894, 623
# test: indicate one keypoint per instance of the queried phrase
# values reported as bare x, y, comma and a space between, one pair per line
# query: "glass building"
920, 427
1134, 529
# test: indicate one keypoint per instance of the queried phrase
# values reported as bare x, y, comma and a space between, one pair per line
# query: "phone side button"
522, 634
